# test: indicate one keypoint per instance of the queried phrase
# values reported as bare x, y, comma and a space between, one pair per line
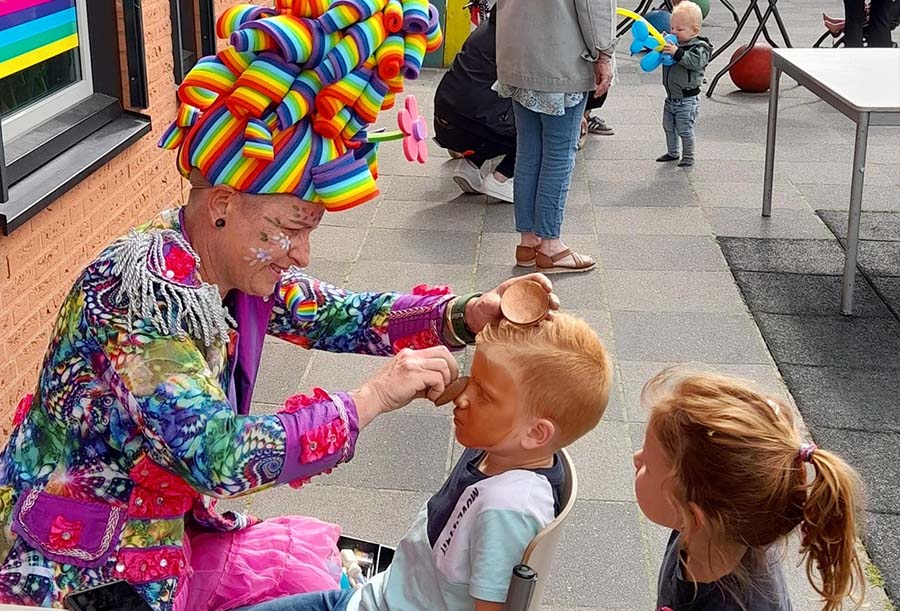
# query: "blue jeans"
545, 158
331, 600
679, 116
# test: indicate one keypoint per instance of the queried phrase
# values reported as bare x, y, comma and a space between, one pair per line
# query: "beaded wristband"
458, 318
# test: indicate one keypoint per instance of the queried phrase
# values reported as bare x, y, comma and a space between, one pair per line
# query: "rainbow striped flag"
32, 31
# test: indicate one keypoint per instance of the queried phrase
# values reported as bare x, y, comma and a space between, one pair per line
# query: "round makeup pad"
525, 303
454, 390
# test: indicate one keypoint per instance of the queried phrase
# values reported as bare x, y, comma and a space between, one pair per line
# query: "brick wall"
39, 261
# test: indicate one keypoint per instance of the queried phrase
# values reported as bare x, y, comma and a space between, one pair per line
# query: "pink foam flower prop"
413, 132
412, 124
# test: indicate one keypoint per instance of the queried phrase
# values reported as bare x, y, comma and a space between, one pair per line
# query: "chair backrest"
539, 553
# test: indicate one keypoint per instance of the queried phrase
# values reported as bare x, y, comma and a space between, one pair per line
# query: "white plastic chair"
526, 589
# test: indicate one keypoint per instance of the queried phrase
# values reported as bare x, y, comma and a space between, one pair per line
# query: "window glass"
43, 55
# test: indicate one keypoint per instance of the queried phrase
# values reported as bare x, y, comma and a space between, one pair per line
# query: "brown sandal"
547, 264
525, 255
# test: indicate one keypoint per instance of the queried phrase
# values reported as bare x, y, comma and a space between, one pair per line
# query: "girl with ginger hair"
733, 472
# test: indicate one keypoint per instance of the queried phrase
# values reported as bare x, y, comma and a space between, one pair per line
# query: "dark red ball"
753, 72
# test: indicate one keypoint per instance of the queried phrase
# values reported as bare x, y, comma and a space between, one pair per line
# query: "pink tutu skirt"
275, 558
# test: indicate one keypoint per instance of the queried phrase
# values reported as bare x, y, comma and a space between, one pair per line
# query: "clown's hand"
411, 374
486, 309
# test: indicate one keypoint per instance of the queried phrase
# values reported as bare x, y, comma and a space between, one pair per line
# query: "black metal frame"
134, 54
207, 27
34, 158
4, 181
205, 36
177, 40
762, 18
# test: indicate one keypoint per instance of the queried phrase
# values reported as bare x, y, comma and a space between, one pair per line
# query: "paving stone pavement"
662, 293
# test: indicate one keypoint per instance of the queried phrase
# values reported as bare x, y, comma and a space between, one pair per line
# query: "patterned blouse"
139, 417
544, 102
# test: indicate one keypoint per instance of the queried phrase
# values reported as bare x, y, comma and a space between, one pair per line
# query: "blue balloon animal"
644, 41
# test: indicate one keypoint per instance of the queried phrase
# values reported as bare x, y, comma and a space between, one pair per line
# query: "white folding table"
864, 85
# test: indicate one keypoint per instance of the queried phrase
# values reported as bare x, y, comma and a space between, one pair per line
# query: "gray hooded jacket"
683, 78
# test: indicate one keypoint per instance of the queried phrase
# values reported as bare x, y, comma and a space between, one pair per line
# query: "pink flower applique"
297, 402
22, 409
158, 492
426, 290
143, 566
323, 441
418, 341
65, 534
180, 264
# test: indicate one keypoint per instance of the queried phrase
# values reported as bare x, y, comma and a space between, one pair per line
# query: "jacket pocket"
67, 530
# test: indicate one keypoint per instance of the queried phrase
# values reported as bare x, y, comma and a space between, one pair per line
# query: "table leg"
626, 23
737, 30
747, 49
768, 177
765, 30
781, 26
856, 191
730, 8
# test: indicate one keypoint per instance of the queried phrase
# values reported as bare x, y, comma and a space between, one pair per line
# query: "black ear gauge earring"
220, 223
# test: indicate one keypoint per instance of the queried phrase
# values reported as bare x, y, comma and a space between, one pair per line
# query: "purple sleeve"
417, 321
321, 432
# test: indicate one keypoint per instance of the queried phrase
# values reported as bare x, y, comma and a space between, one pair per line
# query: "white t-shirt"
465, 540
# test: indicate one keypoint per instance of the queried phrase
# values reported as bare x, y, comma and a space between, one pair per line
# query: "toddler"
532, 391
724, 467
682, 81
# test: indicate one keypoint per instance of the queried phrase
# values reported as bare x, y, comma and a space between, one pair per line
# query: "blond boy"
532, 391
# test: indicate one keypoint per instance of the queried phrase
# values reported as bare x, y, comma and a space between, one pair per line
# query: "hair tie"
806, 452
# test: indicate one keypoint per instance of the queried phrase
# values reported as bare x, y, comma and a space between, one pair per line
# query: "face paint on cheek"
307, 216
259, 256
282, 241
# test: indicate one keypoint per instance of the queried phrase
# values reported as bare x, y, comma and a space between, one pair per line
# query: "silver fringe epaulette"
150, 292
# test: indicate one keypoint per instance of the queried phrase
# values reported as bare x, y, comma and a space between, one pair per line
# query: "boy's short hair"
563, 370
690, 10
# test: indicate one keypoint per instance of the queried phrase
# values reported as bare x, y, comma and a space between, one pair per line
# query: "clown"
140, 417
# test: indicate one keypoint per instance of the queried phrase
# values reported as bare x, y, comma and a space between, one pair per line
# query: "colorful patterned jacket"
140, 416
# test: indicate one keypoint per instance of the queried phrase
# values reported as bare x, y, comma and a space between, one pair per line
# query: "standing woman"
568, 52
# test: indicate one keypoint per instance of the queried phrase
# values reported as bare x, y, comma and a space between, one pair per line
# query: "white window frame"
37, 112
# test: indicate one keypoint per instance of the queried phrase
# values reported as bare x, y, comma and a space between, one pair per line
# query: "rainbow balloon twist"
286, 107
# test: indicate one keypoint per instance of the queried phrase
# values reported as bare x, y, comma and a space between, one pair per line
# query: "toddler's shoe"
492, 187
686, 163
468, 176
667, 157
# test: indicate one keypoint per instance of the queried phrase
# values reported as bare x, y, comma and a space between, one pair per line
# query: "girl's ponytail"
829, 529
